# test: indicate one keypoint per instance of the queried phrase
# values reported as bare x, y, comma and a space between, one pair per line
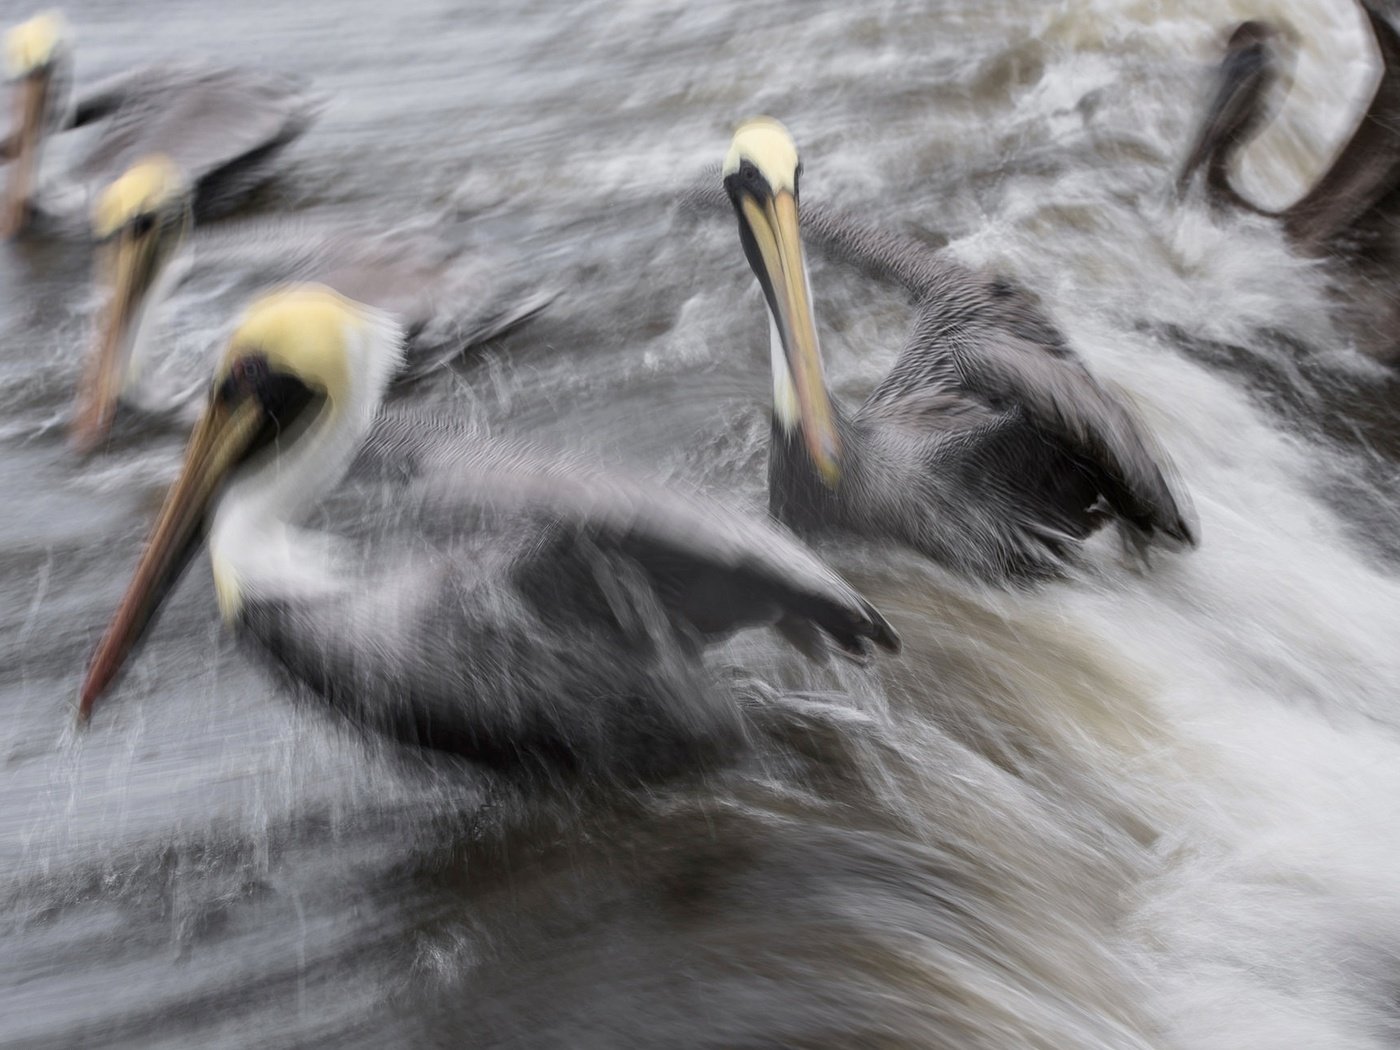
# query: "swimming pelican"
223, 127
448, 299
1351, 212
559, 627
989, 447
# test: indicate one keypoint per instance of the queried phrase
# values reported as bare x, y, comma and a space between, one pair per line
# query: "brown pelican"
143, 221
223, 127
989, 447
1352, 210
559, 627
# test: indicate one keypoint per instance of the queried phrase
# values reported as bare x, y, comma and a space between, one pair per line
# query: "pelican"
560, 626
223, 126
1351, 212
989, 447
142, 221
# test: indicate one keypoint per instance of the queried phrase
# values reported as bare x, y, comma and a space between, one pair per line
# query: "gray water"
1141, 808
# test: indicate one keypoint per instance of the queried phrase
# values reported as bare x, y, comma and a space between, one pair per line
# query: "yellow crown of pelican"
145, 187
301, 330
33, 44
766, 144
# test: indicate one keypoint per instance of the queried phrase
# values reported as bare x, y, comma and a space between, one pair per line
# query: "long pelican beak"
30, 95
777, 259
223, 437
131, 275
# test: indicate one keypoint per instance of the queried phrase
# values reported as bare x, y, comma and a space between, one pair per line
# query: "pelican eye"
746, 179
283, 397
143, 223
249, 376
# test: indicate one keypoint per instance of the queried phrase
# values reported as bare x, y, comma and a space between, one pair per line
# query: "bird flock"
547, 617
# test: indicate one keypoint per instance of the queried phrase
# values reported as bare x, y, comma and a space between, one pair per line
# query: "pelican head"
761, 172
296, 364
36, 59
141, 220
1256, 57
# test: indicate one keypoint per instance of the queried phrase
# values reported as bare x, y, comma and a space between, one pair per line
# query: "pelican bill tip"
88, 431
87, 699
101, 672
824, 450
883, 633
14, 217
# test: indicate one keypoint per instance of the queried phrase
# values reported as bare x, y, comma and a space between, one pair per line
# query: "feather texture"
988, 446
223, 127
545, 618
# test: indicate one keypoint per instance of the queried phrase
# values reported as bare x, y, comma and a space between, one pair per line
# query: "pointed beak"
30, 95
221, 439
777, 259
1237, 107
131, 273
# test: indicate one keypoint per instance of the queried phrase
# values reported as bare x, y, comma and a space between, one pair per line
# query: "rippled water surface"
1141, 808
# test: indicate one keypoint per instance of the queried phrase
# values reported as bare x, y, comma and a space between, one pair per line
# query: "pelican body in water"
1350, 213
560, 626
989, 447
223, 127
447, 299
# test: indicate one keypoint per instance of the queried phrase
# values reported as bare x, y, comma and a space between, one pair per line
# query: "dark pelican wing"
878, 253
509, 652
447, 298
556, 628
221, 126
717, 570
985, 337
981, 337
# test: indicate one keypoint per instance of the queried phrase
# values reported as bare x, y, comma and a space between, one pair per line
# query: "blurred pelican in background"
989, 446
559, 623
1350, 213
224, 128
448, 299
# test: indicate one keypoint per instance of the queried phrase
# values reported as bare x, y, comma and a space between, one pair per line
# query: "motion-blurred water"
1140, 808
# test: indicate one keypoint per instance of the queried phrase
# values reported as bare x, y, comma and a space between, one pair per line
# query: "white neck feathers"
785, 407
253, 546
145, 326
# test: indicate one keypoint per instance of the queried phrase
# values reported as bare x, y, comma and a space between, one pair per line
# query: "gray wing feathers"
983, 336
207, 119
447, 298
106, 96
980, 342
459, 300
885, 255
443, 654
691, 540
1022, 360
